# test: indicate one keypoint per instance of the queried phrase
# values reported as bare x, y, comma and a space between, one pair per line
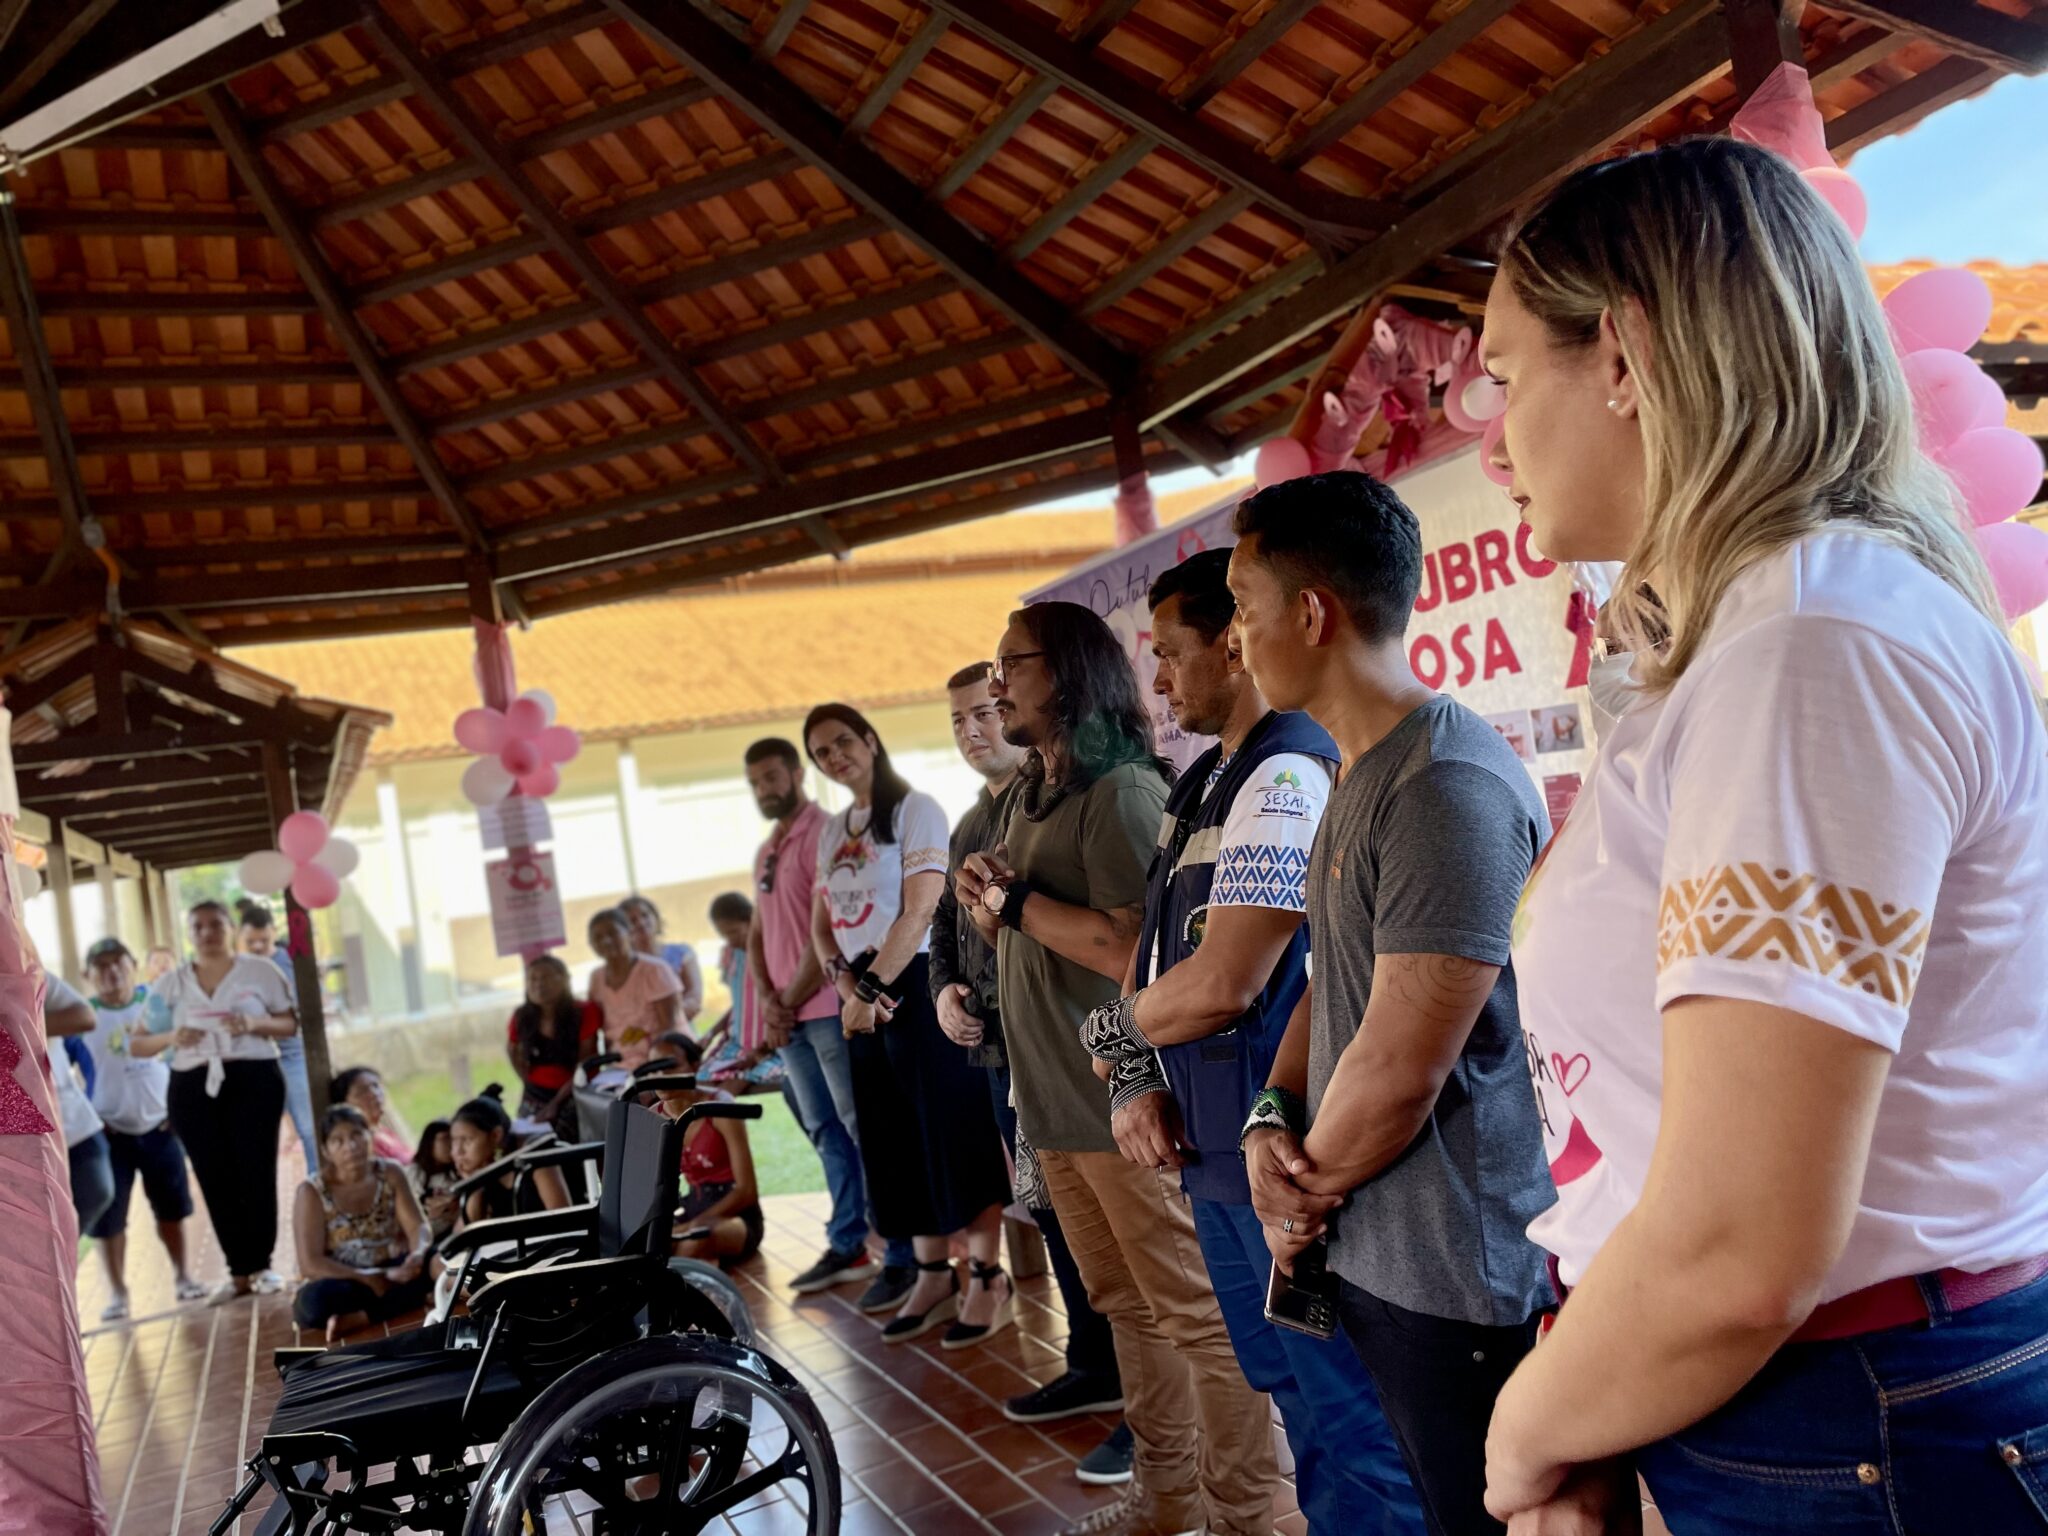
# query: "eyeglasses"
768, 872
999, 669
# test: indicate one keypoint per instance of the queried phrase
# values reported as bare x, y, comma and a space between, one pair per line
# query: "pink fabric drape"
49, 1468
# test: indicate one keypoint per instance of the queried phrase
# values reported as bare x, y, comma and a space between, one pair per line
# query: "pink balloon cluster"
520, 747
309, 861
1935, 318
1278, 459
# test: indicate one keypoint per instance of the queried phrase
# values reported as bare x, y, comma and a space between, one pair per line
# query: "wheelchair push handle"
590, 1066
656, 1066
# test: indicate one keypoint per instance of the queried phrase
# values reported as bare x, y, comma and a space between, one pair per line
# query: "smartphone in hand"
1307, 1300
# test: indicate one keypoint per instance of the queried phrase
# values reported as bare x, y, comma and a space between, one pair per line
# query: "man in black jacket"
963, 982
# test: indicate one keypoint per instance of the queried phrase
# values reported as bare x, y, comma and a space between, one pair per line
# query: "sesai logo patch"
1285, 798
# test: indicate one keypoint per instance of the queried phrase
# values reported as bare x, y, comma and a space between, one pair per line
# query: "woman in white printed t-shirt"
227, 1012
1784, 972
927, 1133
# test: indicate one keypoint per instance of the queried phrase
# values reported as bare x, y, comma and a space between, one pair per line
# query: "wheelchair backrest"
643, 1160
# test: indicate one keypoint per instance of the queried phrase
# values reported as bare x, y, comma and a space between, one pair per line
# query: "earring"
1614, 405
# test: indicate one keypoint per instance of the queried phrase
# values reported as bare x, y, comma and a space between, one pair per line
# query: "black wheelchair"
605, 1390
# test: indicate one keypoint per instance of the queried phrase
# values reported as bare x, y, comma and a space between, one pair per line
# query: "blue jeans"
1347, 1469
92, 1180
298, 1098
1937, 1427
820, 1082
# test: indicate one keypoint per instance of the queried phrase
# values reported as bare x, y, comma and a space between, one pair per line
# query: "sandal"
905, 1326
965, 1335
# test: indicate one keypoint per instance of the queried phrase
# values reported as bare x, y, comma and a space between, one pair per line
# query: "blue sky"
1970, 183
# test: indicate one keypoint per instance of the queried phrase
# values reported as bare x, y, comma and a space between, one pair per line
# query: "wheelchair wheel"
660, 1437
715, 1286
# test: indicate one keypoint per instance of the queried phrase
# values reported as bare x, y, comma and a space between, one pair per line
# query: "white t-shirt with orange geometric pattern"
1841, 810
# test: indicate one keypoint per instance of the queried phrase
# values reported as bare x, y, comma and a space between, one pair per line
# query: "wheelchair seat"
413, 1395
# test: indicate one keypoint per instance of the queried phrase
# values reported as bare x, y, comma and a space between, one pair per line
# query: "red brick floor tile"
866, 1519
1032, 1519
895, 1413
1019, 1448
905, 1489
860, 1449
936, 1447
945, 1520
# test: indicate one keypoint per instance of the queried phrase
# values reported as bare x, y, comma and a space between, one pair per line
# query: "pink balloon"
1488, 441
301, 835
526, 719
520, 758
316, 886
559, 744
481, 731
1997, 471
1948, 307
2018, 557
1278, 459
1838, 189
1951, 396
540, 783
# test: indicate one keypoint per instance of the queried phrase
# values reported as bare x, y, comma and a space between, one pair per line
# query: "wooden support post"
284, 799
151, 912
57, 868
1762, 34
1136, 515
110, 909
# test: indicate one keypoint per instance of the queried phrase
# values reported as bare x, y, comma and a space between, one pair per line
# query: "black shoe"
834, 1268
888, 1290
905, 1326
1110, 1462
1071, 1395
966, 1335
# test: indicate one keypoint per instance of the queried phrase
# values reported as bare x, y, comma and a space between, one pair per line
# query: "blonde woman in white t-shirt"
226, 1013
1784, 972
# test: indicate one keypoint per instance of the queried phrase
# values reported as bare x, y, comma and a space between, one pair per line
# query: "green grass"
785, 1163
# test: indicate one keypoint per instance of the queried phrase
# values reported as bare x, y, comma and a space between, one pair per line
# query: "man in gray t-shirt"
1398, 1132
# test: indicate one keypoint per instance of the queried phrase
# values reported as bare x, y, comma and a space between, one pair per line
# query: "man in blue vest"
1221, 960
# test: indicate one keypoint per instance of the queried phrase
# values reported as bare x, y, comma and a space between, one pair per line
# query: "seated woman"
645, 925
362, 1241
548, 1035
482, 1134
363, 1088
640, 995
723, 1200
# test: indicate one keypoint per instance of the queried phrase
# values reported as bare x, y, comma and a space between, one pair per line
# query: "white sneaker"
190, 1290
224, 1293
269, 1283
115, 1310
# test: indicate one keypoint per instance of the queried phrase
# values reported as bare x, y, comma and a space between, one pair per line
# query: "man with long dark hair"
1063, 900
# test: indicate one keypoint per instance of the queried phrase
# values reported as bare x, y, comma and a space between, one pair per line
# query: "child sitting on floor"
432, 1176
723, 1202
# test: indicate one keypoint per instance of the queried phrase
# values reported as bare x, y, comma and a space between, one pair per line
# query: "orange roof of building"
895, 620
2019, 296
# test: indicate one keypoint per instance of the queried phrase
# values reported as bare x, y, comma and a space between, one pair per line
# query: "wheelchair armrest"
551, 1284
590, 1066
556, 1154
658, 1065
570, 1219
462, 1189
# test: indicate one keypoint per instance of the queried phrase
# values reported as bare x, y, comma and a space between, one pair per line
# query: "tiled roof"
724, 656
405, 309
2019, 296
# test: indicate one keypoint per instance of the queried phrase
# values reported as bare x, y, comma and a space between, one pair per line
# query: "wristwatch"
1006, 902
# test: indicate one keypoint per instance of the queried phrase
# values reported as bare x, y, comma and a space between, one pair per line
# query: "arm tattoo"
1442, 988
1125, 923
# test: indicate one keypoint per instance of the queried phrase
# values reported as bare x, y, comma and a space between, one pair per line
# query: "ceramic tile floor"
181, 1396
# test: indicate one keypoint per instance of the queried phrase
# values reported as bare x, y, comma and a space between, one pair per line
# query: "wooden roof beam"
150, 136
1227, 64
976, 458
50, 34
222, 768
159, 375
1230, 160
1762, 34
1258, 384
901, 68
688, 191
1022, 108
1903, 105
27, 695
870, 442
1103, 20
366, 580
866, 374
516, 42
133, 746
555, 461
1589, 109
1081, 197
447, 269
77, 808
46, 402
195, 222
1404, 62
221, 304
291, 548
605, 509
221, 440
611, 117
730, 266
1963, 28
784, 108
284, 719
336, 106
332, 495
395, 194
1169, 250
511, 333
567, 392
1235, 311
619, 304
342, 321
825, 317
781, 29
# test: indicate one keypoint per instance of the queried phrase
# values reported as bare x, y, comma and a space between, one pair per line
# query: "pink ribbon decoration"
1392, 378
1579, 617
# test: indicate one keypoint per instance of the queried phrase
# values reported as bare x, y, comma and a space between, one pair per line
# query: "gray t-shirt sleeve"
1453, 849
1120, 835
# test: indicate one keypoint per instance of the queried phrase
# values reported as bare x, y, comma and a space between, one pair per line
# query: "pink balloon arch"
519, 747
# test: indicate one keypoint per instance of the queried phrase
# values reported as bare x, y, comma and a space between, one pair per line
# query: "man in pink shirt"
801, 1013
